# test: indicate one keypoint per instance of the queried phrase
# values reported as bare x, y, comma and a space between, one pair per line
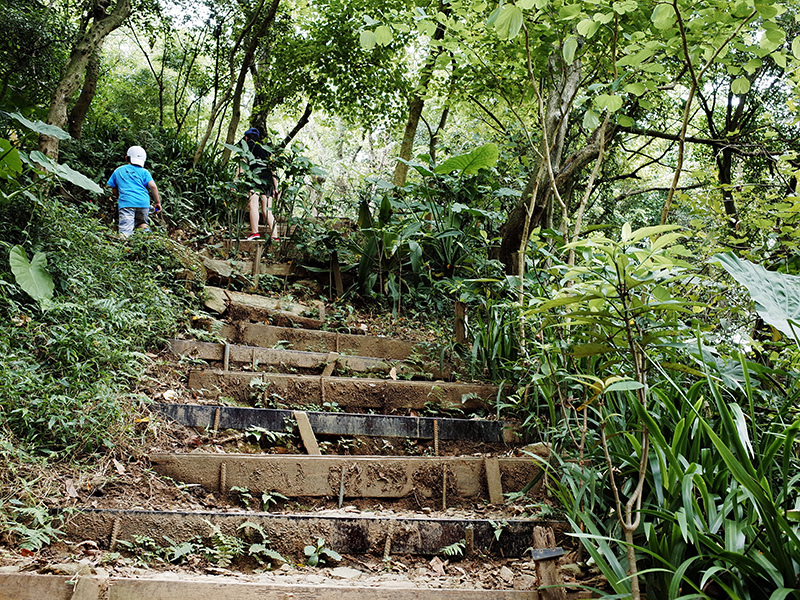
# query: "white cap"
137, 155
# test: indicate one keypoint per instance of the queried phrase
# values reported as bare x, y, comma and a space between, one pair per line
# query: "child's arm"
151, 185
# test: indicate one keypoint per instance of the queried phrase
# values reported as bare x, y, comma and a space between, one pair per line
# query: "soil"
125, 479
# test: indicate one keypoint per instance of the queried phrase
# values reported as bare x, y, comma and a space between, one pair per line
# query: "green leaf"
383, 35
796, 47
10, 162
509, 22
65, 172
637, 89
587, 28
740, 86
41, 128
624, 386
484, 157
367, 39
32, 276
776, 295
569, 49
591, 120
608, 102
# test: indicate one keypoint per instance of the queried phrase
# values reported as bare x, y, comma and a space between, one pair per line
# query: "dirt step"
335, 423
256, 356
26, 586
352, 476
238, 305
346, 533
356, 393
268, 336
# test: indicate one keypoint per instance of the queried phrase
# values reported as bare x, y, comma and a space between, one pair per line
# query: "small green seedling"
319, 554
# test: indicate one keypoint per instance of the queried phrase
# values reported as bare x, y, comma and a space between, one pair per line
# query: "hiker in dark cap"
266, 187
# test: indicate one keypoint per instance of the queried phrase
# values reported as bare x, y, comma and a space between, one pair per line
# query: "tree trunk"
247, 62
73, 75
301, 122
556, 124
81, 108
415, 105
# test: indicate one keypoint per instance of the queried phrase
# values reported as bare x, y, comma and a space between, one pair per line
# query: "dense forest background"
609, 188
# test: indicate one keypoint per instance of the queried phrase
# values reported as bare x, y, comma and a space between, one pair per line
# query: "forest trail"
353, 466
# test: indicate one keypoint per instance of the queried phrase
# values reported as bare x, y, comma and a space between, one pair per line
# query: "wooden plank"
306, 432
362, 533
547, 570
256, 355
364, 476
31, 586
493, 481
258, 334
356, 424
360, 393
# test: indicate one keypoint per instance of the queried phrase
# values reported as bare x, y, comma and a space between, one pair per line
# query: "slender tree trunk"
247, 61
301, 122
526, 214
415, 106
75, 69
77, 115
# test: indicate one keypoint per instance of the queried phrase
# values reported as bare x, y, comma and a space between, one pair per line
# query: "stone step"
336, 423
256, 356
268, 336
352, 393
28, 586
431, 477
344, 532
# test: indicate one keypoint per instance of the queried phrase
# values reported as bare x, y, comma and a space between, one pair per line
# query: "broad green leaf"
587, 28
584, 350
624, 386
753, 65
32, 276
740, 85
625, 121
569, 49
796, 47
383, 35
776, 295
65, 172
608, 102
637, 89
767, 11
663, 16
526, 4
10, 162
41, 128
509, 22
367, 39
484, 157
591, 120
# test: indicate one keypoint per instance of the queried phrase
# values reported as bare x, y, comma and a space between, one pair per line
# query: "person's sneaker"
254, 236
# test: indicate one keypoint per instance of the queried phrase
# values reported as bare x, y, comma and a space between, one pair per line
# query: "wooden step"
346, 533
268, 336
253, 307
355, 393
256, 356
349, 476
336, 423
28, 586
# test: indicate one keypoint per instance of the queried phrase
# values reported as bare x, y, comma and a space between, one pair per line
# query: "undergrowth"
71, 362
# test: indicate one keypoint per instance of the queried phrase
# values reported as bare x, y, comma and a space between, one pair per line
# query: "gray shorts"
131, 218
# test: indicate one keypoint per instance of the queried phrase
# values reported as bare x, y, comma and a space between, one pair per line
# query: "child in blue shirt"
133, 185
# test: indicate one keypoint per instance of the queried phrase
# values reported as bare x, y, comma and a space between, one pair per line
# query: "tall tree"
97, 24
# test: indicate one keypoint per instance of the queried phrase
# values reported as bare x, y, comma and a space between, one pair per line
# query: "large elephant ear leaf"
776, 295
32, 276
484, 157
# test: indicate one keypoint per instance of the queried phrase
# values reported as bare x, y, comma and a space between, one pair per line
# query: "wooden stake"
306, 433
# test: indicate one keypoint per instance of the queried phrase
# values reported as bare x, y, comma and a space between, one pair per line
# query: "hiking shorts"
131, 218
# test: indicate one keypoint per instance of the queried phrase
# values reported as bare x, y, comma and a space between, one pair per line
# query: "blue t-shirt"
131, 182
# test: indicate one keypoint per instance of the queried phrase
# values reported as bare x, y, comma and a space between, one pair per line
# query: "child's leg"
127, 220
253, 211
269, 218
140, 218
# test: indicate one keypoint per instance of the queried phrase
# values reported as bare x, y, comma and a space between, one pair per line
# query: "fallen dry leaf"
70, 489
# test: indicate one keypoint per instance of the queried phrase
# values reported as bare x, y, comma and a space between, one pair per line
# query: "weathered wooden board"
364, 393
364, 476
258, 334
256, 357
289, 533
28, 586
238, 305
324, 423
